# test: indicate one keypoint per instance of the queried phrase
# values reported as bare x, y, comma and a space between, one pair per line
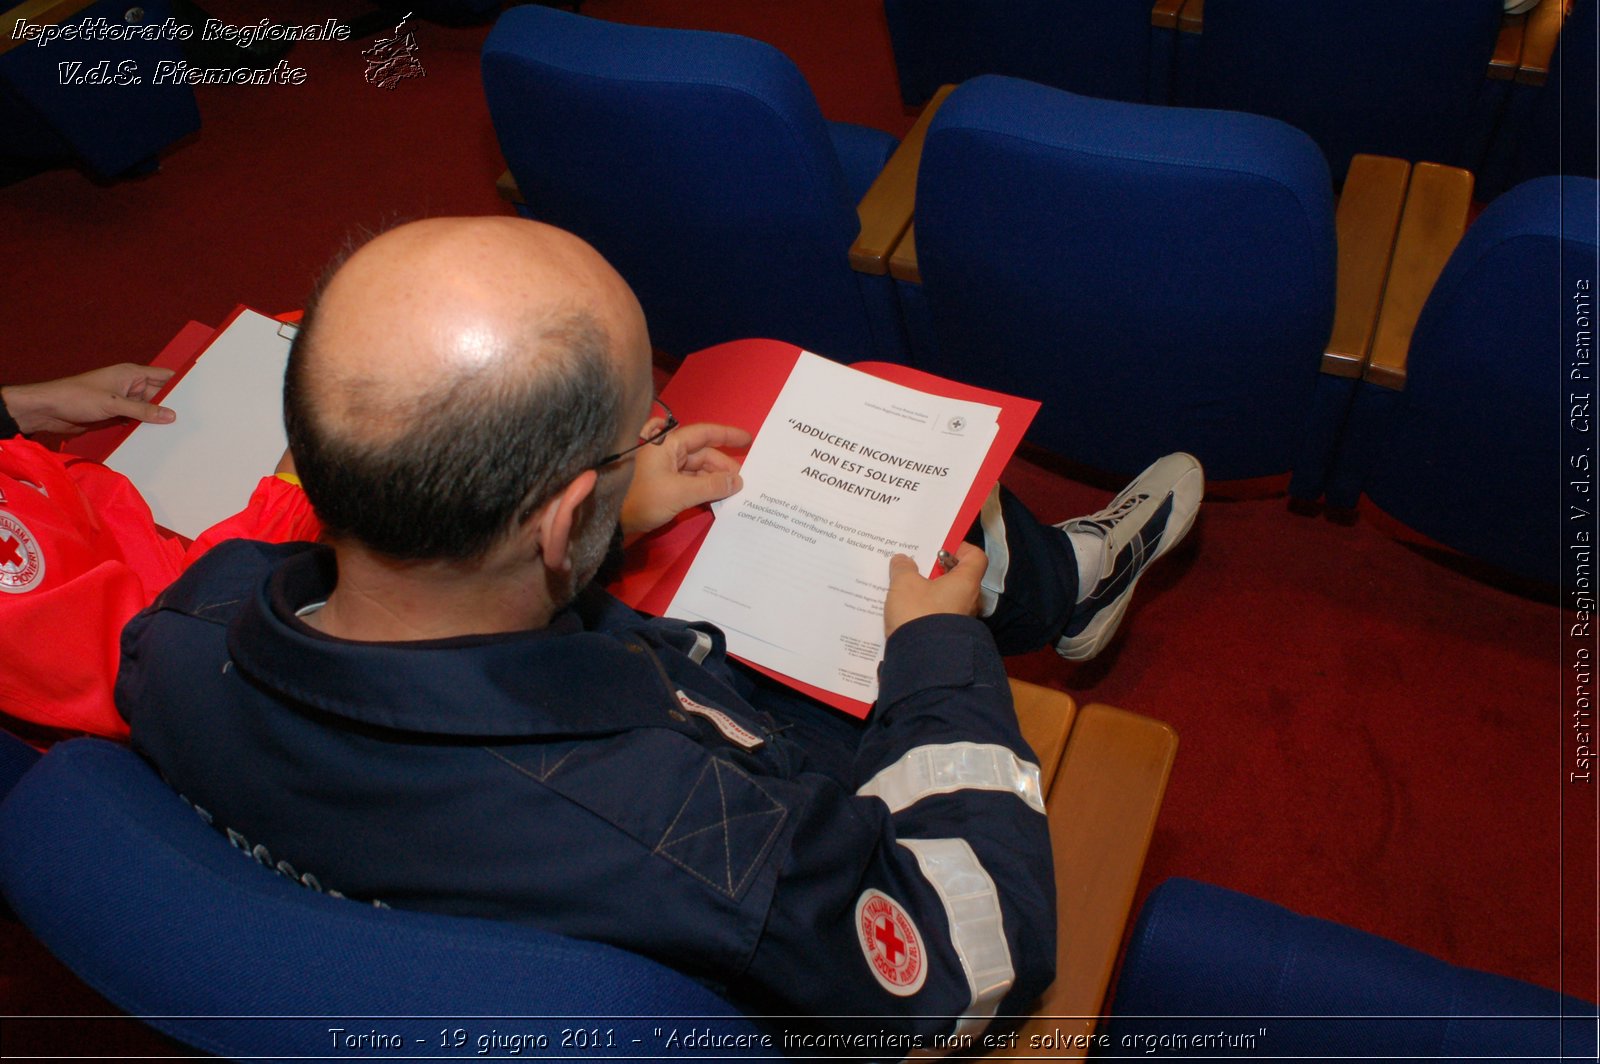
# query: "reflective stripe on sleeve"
977, 928
949, 767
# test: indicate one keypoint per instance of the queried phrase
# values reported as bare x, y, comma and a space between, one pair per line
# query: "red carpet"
1368, 734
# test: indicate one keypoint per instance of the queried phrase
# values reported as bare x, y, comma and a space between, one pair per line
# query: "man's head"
455, 374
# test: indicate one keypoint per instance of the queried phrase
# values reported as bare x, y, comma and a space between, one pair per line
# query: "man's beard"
611, 565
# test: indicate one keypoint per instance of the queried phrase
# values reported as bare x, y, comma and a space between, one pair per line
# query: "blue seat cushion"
150, 906
1204, 960
1161, 278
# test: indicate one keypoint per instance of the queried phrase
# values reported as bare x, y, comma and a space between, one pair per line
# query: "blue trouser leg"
1032, 580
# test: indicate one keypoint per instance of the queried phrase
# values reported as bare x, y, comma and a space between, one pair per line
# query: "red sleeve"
278, 512
59, 648
79, 556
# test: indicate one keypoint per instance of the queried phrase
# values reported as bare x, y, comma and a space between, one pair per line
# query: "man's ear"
553, 521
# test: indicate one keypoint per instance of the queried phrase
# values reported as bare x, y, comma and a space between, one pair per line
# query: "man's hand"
686, 470
912, 595
72, 404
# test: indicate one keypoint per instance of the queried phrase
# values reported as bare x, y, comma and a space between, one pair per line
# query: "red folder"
737, 384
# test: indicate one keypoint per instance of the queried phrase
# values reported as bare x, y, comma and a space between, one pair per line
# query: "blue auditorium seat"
1468, 445
110, 128
155, 910
1204, 961
699, 165
1100, 48
1372, 76
1161, 278
152, 907
1550, 128
16, 757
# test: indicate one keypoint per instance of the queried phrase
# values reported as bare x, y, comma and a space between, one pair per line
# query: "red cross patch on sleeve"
891, 943
21, 561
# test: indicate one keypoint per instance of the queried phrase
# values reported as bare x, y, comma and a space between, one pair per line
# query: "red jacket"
80, 554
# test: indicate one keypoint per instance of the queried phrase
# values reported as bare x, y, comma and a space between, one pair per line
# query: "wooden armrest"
1368, 221
1434, 219
1539, 40
885, 211
903, 265
506, 186
1164, 14
1193, 17
1102, 814
37, 12
1507, 56
1045, 717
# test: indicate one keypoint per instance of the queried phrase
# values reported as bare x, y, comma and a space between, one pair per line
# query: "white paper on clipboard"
228, 434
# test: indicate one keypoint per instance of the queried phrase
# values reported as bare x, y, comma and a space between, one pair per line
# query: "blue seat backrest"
16, 757
1204, 960
1560, 133
1371, 76
1488, 380
153, 908
697, 163
110, 125
1161, 278
1098, 49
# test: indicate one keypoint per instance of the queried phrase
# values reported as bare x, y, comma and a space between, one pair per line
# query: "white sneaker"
1149, 518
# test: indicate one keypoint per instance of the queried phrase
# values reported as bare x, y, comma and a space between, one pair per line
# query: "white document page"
228, 435
848, 471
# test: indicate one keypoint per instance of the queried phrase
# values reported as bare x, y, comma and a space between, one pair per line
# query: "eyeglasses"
659, 411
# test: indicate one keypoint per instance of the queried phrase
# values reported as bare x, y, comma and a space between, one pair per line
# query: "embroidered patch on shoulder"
731, 729
891, 943
21, 561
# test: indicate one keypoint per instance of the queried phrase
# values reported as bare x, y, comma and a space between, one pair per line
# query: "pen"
947, 560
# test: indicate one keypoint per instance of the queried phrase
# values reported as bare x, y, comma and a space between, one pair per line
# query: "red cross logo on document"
891, 943
21, 563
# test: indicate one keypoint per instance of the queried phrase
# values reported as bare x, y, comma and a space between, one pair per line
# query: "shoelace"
1111, 517
1136, 545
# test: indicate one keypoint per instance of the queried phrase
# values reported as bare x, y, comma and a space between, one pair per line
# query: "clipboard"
229, 431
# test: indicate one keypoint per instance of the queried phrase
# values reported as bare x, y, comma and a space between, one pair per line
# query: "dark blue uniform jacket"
609, 778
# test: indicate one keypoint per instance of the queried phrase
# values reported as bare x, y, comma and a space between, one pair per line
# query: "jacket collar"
561, 680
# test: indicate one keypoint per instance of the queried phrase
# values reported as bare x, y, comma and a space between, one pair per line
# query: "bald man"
438, 709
